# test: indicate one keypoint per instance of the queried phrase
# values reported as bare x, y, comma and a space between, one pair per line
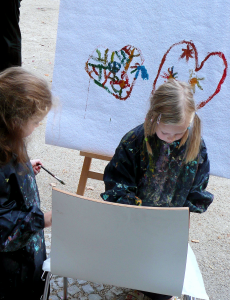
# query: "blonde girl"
24, 102
163, 162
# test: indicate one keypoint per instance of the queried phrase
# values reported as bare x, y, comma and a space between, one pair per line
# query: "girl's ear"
16, 124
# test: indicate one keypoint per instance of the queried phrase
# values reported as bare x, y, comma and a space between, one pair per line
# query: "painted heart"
195, 77
116, 71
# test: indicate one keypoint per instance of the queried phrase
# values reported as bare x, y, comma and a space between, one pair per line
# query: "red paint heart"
191, 52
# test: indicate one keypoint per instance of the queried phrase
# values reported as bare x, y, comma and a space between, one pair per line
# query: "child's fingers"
36, 162
36, 169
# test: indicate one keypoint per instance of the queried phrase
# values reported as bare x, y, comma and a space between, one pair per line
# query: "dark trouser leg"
10, 35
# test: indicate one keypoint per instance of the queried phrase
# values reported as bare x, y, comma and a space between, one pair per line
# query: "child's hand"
36, 164
48, 218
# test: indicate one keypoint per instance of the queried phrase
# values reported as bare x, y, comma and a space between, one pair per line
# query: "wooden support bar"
86, 173
95, 175
97, 156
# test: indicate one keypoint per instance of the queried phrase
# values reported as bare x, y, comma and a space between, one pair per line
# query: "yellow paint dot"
122, 84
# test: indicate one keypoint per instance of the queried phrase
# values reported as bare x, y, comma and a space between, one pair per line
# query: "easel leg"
84, 176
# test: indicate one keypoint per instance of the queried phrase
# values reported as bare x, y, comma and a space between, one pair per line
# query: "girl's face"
170, 133
32, 124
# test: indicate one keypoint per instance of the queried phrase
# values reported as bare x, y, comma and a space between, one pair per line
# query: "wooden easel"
86, 173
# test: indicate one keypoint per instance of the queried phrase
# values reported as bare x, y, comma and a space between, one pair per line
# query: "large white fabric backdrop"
110, 55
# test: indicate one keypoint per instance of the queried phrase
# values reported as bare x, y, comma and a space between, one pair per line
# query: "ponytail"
150, 128
194, 140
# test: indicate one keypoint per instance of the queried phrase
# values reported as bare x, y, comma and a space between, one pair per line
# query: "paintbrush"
61, 181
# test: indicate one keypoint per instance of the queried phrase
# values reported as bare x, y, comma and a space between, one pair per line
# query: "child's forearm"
48, 218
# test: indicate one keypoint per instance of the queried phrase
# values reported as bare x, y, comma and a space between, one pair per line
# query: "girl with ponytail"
163, 162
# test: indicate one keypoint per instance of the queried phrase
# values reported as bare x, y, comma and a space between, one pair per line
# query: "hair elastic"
146, 139
158, 119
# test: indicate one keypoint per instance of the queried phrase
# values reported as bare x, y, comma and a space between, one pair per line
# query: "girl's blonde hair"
22, 97
173, 103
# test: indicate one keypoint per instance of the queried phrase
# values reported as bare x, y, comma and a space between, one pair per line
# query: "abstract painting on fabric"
111, 56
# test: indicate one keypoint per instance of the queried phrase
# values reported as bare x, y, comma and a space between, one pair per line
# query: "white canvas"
142, 43
126, 246
193, 281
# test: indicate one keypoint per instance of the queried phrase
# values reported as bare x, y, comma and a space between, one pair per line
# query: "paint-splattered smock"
160, 180
22, 247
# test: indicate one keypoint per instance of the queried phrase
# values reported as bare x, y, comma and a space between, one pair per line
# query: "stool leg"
65, 283
186, 297
46, 289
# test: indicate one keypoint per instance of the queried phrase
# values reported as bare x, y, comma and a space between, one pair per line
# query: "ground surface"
39, 20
